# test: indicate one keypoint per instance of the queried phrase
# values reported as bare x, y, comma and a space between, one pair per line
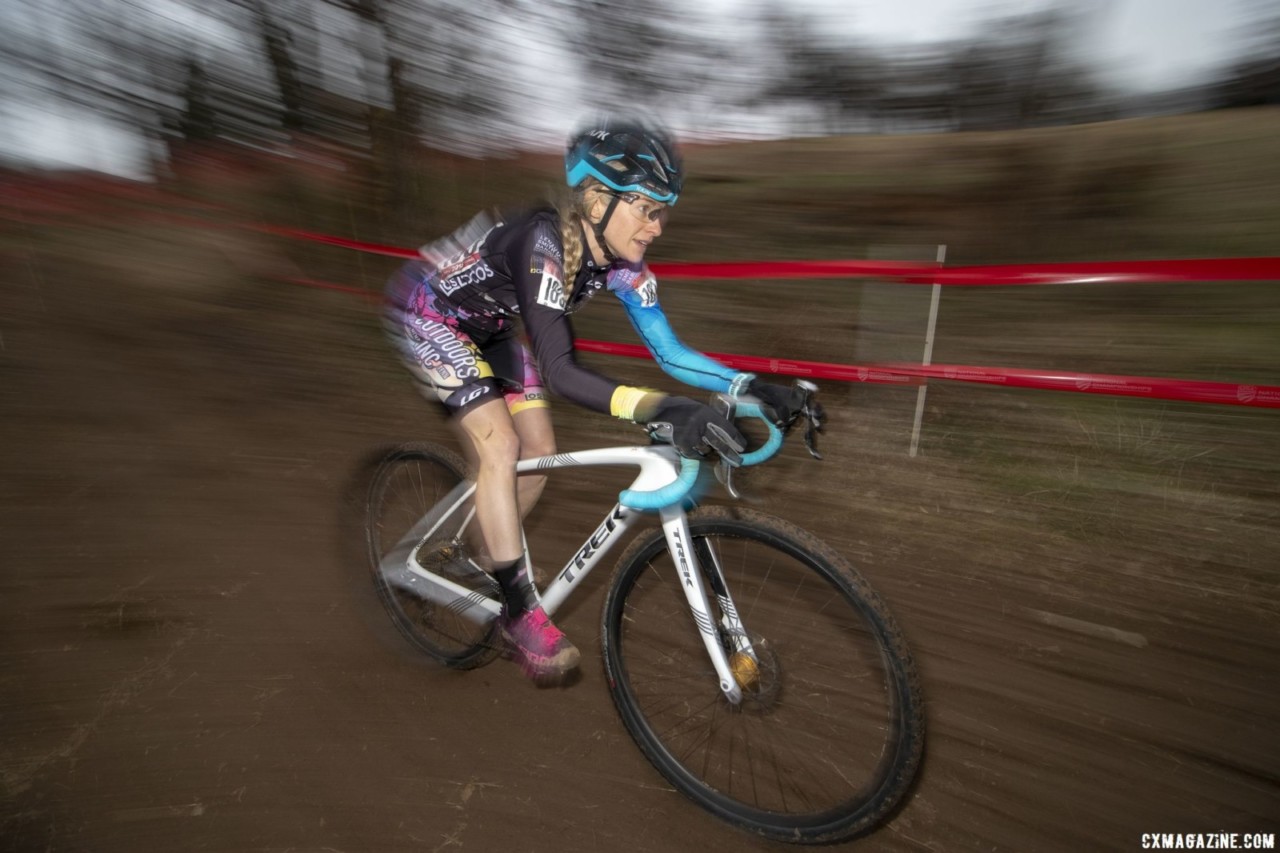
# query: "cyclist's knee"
531, 448
537, 436
500, 449
497, 446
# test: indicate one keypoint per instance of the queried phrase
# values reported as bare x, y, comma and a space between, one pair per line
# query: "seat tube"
675, 525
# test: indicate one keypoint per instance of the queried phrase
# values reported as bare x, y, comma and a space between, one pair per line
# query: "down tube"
676, 527
614, 527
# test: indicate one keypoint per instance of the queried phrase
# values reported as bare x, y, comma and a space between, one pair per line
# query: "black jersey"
487, 275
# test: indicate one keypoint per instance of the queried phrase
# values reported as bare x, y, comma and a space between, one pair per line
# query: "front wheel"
830, 732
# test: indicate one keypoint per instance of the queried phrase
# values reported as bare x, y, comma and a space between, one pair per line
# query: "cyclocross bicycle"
752, 665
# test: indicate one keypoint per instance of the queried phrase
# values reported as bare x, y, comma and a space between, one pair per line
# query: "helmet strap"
598, 228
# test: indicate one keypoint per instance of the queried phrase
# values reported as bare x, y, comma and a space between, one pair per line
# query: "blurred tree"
439, 71
1254, 79
395, 129
842, 83
90, 58
163, 72
1025, 71
383, 77
276, 42
351, 72
979, 87
656, 57
198, 121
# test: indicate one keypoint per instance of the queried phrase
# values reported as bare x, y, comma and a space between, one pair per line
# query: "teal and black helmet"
627, 157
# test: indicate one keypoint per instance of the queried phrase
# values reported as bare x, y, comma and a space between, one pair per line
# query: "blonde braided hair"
573, 208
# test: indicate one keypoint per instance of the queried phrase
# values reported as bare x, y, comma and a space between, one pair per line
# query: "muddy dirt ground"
192, 659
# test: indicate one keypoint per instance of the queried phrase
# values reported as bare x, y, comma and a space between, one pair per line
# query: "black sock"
517, 591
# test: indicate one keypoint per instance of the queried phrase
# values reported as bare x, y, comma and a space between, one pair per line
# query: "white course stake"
928, 355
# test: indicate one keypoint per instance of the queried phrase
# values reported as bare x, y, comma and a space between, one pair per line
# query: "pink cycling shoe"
541, 649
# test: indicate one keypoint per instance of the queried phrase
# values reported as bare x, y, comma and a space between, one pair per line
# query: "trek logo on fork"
684, 561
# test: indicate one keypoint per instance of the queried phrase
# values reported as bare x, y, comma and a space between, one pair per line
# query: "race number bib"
551, 292
648, 291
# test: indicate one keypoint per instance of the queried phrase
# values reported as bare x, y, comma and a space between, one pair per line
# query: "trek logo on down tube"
593, 544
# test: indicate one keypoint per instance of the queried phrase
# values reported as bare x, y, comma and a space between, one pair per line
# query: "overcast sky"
1137, 45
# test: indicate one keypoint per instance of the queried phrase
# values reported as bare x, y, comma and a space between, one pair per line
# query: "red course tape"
1185, 390
374, 248
1099, 272
1102, 272
1109, 272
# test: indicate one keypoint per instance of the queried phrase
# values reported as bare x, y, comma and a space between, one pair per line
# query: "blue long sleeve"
638, 291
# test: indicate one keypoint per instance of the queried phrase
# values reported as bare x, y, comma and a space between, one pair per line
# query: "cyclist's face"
636, 222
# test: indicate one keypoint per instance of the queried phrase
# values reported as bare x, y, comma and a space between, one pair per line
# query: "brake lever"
726, 406
812, 419
812, 427
724, 473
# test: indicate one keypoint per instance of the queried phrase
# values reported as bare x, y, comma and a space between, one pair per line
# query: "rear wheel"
830, 732
408, 483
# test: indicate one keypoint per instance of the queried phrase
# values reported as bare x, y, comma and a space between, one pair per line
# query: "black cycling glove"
782, 403
695, 429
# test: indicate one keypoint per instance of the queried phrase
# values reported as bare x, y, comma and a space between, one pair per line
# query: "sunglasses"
645, 208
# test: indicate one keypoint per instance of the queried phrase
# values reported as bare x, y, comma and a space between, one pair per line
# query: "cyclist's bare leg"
537, 438
540, 648
494, 450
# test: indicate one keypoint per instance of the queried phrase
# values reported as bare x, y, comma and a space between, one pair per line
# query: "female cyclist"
453, 314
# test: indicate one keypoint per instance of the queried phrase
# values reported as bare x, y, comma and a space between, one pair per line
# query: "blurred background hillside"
1004, 133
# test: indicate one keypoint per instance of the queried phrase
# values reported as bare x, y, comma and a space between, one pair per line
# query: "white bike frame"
659, 467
